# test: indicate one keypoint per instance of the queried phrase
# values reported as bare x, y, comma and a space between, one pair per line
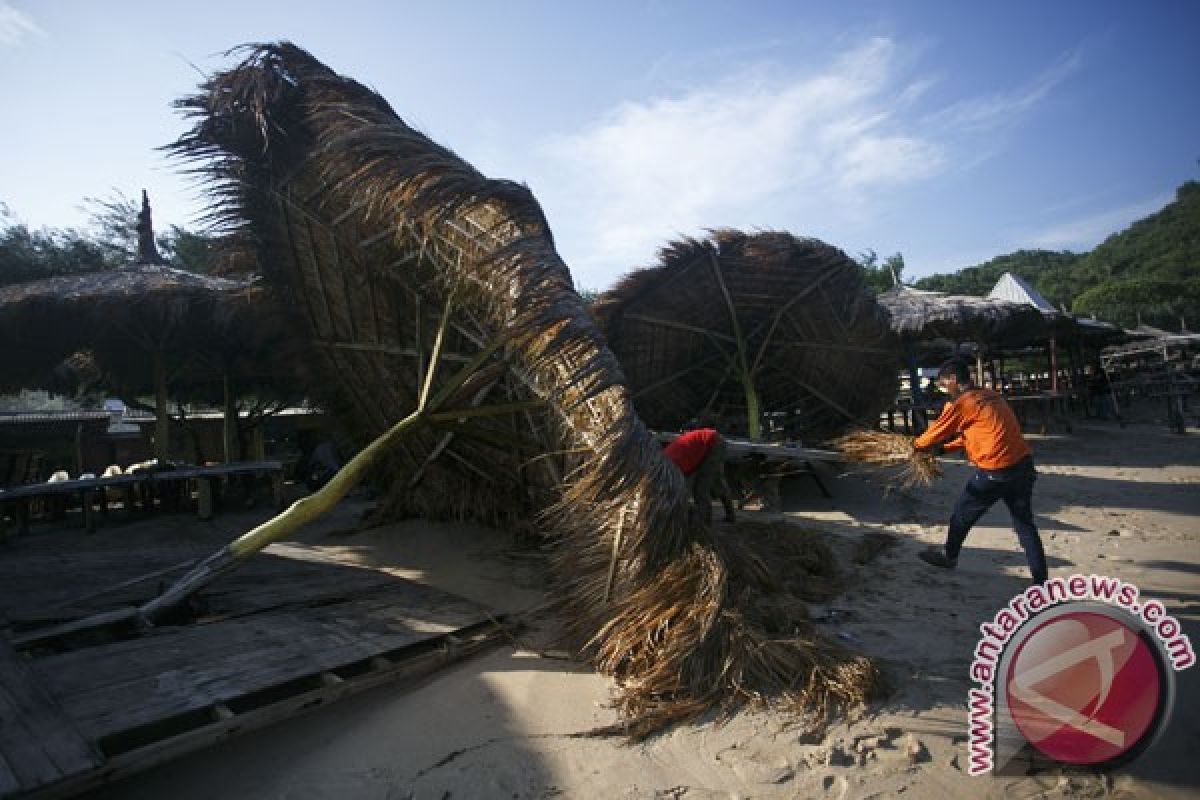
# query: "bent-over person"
700, 456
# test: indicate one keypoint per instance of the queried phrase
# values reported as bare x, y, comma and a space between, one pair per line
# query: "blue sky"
951, 132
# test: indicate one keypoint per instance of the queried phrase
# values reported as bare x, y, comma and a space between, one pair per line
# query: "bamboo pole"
301, 512
753, 412
312, 507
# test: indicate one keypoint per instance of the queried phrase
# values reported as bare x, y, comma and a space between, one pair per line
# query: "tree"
27, 255
109, 241
1157, 302
881, 277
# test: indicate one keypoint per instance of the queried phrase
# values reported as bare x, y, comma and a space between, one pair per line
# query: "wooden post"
979, 368
204, 498
162, 418
78, 449
919, 423
1053, 365
229, 431
1175, 420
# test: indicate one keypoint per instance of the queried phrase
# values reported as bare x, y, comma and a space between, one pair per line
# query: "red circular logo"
1084, 688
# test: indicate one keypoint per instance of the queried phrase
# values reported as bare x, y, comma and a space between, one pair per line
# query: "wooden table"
1046, 403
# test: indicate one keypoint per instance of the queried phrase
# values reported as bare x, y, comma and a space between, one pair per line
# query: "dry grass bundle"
878, 448
727, 625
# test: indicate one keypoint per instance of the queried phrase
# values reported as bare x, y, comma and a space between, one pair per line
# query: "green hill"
1151, 268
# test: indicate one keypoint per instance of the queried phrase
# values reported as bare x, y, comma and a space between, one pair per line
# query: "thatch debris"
395, 255
739, 324
736, 613
917, 469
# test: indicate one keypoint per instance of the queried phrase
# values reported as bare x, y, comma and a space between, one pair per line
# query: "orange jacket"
990, 431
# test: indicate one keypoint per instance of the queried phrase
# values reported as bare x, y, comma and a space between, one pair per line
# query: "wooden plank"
774, 451
224, 727
39, 744
31, 589
169, 672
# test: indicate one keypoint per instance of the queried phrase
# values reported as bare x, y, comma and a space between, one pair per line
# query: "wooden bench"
20, 498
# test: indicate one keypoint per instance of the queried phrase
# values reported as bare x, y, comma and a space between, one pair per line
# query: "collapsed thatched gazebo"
147, 324
739, 324
450, 337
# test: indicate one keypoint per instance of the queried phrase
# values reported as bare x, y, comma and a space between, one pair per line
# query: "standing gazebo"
146, 324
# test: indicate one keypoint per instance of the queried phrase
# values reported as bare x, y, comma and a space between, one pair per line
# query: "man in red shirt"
981, 422
700, 456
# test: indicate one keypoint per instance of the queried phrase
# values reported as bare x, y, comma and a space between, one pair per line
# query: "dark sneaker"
938, 559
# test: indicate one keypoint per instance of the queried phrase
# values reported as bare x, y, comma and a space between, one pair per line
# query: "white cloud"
16, 25
818, 152
1000, 109
1084, 233
749, 150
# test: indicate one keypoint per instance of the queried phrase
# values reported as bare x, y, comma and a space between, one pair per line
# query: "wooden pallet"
291, 631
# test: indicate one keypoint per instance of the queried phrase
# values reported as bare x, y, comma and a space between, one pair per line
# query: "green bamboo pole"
753, 408
300, 513
319, 503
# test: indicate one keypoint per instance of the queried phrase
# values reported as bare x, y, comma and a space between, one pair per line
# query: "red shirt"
690, 449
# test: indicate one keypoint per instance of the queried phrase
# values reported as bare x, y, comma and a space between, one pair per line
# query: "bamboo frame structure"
392, 249
738, 324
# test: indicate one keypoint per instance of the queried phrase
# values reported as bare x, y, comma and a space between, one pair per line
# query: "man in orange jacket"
700, 456
982, 423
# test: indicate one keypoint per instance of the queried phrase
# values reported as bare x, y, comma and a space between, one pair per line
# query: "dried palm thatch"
138, 308
738, 324
397, 256
918, 469
920, 315
148, 328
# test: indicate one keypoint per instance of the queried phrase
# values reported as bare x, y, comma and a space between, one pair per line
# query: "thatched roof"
919, 314
121, 314
371, 232
793, 314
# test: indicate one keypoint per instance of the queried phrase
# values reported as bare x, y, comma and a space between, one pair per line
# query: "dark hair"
958, 368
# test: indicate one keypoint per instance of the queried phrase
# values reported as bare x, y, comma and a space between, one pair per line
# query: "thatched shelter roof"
389, 250
917, 314
208, 328
791, 316
122, 314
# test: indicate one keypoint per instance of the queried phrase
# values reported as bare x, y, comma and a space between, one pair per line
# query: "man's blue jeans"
1013, 485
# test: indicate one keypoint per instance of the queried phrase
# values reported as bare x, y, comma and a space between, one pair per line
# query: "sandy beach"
1118, 502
